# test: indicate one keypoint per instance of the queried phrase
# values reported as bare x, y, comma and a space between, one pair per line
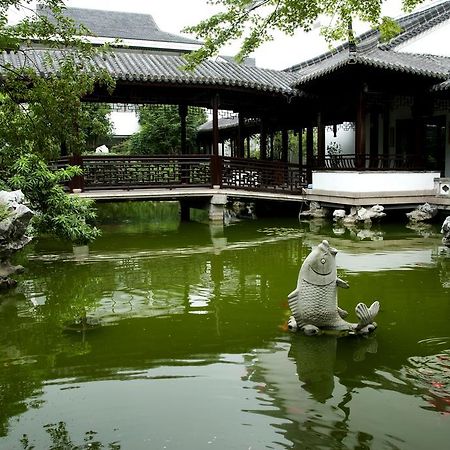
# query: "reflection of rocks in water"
443, 265
339, 231
315, 358
314, 225
360, 231
421, 228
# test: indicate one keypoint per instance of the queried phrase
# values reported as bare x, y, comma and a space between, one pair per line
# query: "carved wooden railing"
258, 175
131, 172
371, 162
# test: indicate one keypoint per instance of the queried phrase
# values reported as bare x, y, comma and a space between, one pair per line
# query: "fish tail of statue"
366, 315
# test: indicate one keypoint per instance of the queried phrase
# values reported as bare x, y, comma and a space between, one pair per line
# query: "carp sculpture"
314, 302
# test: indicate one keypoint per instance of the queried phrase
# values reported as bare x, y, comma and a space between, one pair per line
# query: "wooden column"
284, 145
182, 111
300, 149
216, 162
360, 131
241, 136
309, 153
271, 150
263, 139
248, 146
215, 120
320, 141
386, 128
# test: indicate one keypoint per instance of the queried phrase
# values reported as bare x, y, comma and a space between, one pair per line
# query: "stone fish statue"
314, 302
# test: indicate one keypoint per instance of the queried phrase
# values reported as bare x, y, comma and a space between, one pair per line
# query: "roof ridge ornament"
352, 50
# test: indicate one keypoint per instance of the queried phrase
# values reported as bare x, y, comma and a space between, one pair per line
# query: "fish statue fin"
293, 305
341, 283
365, 314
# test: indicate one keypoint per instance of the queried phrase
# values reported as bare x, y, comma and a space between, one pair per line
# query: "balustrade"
131, 172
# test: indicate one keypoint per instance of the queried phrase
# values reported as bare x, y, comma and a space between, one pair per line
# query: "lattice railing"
262, 175
371, 162
108, 172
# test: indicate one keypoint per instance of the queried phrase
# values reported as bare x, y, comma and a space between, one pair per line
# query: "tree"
253, 22
95, 123
40, 114
160, 132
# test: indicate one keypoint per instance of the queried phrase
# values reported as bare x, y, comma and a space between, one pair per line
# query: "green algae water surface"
173, 335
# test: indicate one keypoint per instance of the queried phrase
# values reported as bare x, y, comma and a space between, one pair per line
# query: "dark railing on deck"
259, 175
134, 172
371, 162
131, 172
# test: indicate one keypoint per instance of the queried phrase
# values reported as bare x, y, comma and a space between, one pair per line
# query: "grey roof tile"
153, 67
116, 24
369, 50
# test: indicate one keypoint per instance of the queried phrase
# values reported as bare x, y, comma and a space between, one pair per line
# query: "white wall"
364, 182
345, 137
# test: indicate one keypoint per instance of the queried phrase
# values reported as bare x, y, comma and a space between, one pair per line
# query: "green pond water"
187, 345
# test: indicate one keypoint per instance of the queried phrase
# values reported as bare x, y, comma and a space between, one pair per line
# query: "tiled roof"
370, 51
426, 65
116, 24
144, 66
444, 86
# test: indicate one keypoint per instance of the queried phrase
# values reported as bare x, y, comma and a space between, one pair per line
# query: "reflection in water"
316, 358
190, 353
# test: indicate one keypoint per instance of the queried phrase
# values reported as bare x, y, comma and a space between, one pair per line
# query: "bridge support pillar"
217, 207
185, 211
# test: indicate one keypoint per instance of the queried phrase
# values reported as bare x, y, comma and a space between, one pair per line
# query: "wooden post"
320, 141
373, 139
263, 140
182, 111
215, 117
241, 136
216, 160
284, 145
360, 131
309, 153
271, 140
300, 149
248, 146
386, 120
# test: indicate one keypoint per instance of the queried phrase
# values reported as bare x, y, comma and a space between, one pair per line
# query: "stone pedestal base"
217, 207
